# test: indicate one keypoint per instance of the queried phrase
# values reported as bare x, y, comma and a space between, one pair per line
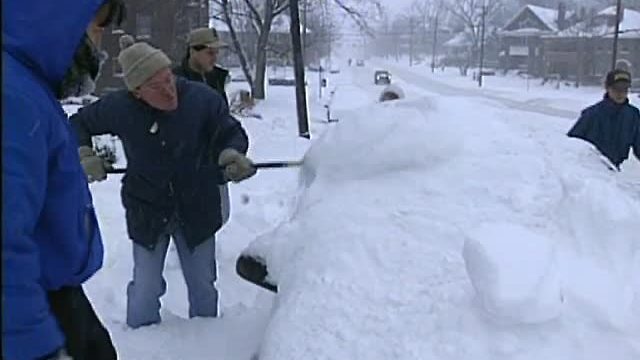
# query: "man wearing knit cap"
199, 64
180, 143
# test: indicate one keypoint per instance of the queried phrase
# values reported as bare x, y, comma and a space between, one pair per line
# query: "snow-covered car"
429, 236
382, 77
360, 62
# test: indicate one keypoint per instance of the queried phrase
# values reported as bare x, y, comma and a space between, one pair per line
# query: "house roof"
547, 16
459, 40
629, 27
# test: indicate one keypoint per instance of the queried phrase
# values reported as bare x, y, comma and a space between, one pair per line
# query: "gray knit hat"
141, 61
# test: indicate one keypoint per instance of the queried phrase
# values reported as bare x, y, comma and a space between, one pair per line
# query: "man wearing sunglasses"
51, 242
200, 61
612, 125
200, 64
180, 143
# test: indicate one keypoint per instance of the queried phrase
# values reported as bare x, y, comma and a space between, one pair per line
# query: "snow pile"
514, 272
426, 235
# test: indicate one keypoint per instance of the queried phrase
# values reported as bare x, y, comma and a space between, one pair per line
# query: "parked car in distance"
382, 77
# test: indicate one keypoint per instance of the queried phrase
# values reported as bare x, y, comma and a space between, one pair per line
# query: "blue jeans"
148, 285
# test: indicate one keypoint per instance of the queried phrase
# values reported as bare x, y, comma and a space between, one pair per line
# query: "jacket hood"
43, 34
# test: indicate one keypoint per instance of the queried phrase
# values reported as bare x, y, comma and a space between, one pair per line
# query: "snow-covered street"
370, 256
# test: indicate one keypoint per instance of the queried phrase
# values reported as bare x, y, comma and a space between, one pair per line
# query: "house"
165, 27
462, 51
583, 53
279, 48
521, 45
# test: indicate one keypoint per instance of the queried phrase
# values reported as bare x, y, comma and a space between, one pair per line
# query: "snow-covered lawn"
448, 225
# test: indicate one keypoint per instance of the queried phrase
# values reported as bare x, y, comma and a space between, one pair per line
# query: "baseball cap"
618, 77
205, 37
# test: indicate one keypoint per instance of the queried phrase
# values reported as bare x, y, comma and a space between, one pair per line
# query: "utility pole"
615, 35
298, 70
435, 42
327, 14
411, 41
304, 26
484, 15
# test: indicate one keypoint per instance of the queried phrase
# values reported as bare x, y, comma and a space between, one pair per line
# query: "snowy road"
413, 77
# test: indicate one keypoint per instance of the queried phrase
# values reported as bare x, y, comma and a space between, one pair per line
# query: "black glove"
86, 337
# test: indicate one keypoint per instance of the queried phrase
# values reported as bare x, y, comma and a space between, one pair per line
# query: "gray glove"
93, 165
236, 167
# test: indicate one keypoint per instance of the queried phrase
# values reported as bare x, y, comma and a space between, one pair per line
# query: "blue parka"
50, 236
614, 129
172, 158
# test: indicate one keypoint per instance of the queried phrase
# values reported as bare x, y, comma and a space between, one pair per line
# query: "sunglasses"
201, 47
111, 12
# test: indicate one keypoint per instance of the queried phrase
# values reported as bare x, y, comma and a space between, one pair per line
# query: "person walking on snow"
51, 241
200, 64
612, 125
180, 143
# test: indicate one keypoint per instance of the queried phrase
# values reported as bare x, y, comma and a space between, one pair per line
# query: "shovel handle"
262, 165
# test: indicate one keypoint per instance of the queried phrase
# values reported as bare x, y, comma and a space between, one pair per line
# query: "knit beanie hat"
141, 61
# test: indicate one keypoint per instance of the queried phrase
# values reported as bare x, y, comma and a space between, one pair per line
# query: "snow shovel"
254, 270
262, 165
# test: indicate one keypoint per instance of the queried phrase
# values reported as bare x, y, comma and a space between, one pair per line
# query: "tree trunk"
237, 45
261, 65
258, 88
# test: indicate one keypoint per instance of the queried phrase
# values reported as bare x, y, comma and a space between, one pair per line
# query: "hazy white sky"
396, 6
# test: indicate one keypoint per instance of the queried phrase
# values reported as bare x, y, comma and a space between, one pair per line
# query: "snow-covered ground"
454, 224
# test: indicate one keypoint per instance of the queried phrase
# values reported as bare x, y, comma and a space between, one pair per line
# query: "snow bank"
373, 263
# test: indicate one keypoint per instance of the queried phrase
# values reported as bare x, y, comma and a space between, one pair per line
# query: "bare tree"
426, 13
258, 15
470, 12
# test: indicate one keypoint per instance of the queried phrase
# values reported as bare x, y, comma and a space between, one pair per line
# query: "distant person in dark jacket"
180, 143
200, 60
612, 125
200, 64
51, 241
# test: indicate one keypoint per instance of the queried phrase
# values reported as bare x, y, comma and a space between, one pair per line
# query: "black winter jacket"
215, 78
612, 128
171, 158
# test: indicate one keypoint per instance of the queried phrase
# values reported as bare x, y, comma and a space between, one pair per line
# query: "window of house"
143, 26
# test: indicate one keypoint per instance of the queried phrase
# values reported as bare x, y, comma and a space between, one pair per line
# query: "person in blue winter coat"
180, 143
51, 242
612, 125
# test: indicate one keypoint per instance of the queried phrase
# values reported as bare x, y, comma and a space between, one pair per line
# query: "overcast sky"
396, 6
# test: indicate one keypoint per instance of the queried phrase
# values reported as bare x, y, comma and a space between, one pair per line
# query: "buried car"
428, 236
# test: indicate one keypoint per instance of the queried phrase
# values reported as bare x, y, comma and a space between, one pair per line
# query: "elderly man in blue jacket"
612, 125
180, 143
51, 243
